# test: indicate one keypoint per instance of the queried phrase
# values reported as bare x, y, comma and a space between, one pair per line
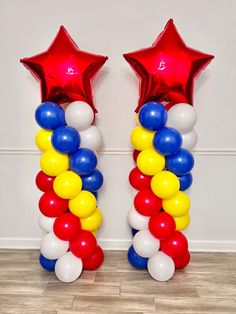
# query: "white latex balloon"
79, 115
145, 244
91, 138
161, 266
136, 220
68, 267
46, 223
52, 247
182, 117
189, 139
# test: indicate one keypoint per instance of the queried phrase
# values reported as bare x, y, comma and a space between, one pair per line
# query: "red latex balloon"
138, 180
44, 182
67, 227
51, 205
64, 71
175, 246
147, 203
182, 261
168, 68
84, 244
95, 260
135, 154
169, 105
162, 225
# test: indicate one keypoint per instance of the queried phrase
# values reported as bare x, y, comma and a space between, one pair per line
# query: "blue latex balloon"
134, 231
66, 139
83, 161
50, 116
93, 181
167, 141
185, 181
180, 163
48, 264
153, 116
95, 194
135, 260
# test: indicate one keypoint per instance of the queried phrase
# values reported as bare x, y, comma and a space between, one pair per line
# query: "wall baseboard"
118, 244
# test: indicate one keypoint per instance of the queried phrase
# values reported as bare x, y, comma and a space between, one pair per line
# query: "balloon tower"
162, 141
69, 140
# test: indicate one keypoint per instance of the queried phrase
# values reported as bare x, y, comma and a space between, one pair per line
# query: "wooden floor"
207, 285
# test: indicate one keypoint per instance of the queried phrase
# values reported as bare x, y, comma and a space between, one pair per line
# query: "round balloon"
50, 116
95, 260
83, 205
147, 203
68, 268
51, 205
135, 154
182, 222
43, 140
161, 225
67, 227
92, 222
47, 264
145, 244
53, 163
141, 138
83, 161
79, 115
189, 139
84, 244
66, 139
91, 138
46, 223
161, 267
93, 181
52, 247
167, 141
153, 116
178, 205
165, 184
67, 185
175, 246
135, 260
185, 181
182, 261
139, 180
180, 163
44, 182
136, 220
150, 162
182, 117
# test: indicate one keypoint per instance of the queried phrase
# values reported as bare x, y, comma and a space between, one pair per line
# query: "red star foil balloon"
64, 71
168, 68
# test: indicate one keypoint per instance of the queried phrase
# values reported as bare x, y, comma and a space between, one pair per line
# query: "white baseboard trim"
118, 244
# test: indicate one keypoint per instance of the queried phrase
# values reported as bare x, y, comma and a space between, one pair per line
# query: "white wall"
112, 28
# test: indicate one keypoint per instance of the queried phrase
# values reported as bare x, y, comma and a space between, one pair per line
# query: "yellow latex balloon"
67, 184
83, 205
178, 205
92, 222
182, 222
150, 162
54, 163
165, 184
141, 138
43, 140
137, 118
94, 232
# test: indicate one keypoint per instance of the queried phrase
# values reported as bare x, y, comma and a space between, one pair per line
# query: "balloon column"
162, 141
69, 179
